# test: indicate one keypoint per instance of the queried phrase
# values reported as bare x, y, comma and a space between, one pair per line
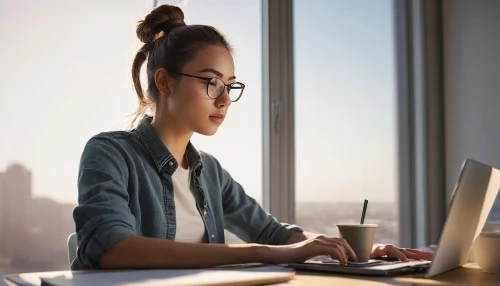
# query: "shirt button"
170, 163
213, 235
205, 213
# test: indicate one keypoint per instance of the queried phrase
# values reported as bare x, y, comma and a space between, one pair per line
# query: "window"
345, 112
62, 84
59, 86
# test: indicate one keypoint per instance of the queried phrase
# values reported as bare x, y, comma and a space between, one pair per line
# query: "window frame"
420, 197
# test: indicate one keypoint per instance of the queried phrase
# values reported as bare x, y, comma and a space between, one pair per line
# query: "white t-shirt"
190, 226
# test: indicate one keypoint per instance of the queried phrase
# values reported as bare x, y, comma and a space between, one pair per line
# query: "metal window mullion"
420, 124
278, 103
405, 127
411, 123
435, 158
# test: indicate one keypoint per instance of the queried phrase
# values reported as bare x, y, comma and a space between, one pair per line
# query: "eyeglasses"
215, 87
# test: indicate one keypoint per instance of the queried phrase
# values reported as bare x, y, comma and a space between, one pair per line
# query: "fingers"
424, 255
404, 253
391, 251
375, 253
339, 253
409, 254
347, 248
394, 252
401, 253
335, 248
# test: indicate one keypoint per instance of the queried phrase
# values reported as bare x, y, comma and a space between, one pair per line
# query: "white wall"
471, 32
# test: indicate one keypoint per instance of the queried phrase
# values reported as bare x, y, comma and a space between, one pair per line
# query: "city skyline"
33, 230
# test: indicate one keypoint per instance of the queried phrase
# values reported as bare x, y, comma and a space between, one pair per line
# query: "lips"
218, 116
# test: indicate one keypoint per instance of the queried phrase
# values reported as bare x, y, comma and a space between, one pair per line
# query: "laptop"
472, 200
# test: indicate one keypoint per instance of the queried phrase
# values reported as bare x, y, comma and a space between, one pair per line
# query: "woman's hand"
400, 253
305, 245
313, 246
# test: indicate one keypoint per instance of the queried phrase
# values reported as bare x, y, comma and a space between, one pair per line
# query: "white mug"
486, 251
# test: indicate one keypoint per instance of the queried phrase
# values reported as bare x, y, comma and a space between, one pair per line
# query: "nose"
224, 100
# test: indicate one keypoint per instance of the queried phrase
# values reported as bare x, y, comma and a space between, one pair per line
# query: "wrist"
265, 253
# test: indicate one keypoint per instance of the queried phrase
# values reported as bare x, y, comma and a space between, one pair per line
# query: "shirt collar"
160, 153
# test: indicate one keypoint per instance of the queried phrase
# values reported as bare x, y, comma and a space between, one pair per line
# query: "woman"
149, 199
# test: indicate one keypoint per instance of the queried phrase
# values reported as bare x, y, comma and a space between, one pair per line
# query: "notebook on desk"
471, 202
193, 277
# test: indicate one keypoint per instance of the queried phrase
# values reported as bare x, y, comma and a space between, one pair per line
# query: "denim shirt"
125, 189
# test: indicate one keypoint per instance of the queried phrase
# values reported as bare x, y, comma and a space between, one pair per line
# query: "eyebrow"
217, 73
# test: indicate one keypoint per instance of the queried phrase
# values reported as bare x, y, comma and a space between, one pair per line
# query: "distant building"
50, 225
15, 203
33, 231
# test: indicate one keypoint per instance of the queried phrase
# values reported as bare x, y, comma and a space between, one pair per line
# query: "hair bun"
163, 18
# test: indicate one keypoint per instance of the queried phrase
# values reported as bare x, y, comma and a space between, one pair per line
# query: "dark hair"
168, 43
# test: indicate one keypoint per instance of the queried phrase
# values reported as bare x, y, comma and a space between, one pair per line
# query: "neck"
174, 137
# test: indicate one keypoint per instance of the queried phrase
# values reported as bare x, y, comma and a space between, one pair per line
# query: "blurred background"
373, 118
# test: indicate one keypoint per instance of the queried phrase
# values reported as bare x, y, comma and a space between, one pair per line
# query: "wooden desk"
470, 275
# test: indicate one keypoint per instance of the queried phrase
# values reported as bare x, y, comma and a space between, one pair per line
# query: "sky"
65, 76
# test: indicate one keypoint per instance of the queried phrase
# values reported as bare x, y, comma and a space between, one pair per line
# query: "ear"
163, 81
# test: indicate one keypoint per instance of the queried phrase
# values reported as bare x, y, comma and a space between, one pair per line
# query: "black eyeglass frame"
209, 79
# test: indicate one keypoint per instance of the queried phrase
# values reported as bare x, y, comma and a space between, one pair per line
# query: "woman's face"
187, 101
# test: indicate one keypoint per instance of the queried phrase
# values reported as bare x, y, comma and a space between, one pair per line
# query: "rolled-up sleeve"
102, 216
244, 217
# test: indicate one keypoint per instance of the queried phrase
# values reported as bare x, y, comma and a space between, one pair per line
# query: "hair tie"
167, 27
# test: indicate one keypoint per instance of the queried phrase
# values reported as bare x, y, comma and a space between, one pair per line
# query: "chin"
207, 131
